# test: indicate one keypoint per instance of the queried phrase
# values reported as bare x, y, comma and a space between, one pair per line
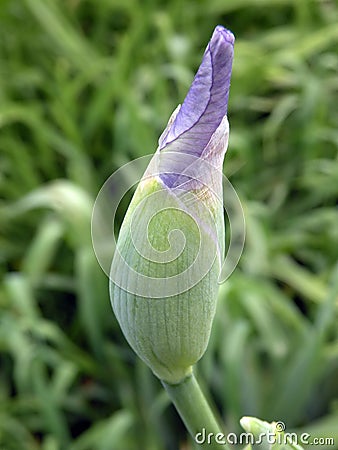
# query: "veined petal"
193, 124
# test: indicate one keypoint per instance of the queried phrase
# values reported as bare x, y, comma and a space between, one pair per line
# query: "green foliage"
87, 85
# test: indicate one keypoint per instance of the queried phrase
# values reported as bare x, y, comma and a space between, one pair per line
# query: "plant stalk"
196, 413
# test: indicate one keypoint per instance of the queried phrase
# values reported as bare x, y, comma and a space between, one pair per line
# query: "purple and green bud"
164, 274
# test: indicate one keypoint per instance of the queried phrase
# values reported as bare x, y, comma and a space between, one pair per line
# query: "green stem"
196, 413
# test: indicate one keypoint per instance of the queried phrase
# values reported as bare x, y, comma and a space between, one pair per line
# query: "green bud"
269, 436
164, 275
168, 258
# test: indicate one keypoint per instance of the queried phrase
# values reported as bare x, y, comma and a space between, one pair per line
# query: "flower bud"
164, 274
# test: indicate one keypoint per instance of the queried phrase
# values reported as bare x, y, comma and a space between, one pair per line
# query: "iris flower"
169, 252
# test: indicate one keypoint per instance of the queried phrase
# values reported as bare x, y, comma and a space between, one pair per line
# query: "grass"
86, 86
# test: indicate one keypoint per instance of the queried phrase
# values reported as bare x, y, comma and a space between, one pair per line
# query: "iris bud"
164, 274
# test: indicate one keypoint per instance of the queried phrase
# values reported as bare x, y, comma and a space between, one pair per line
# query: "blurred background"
88, 85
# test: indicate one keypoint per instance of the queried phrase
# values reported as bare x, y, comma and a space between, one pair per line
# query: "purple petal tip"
226, 34
206, 103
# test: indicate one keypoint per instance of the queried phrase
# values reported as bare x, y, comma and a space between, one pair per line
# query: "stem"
196, 413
